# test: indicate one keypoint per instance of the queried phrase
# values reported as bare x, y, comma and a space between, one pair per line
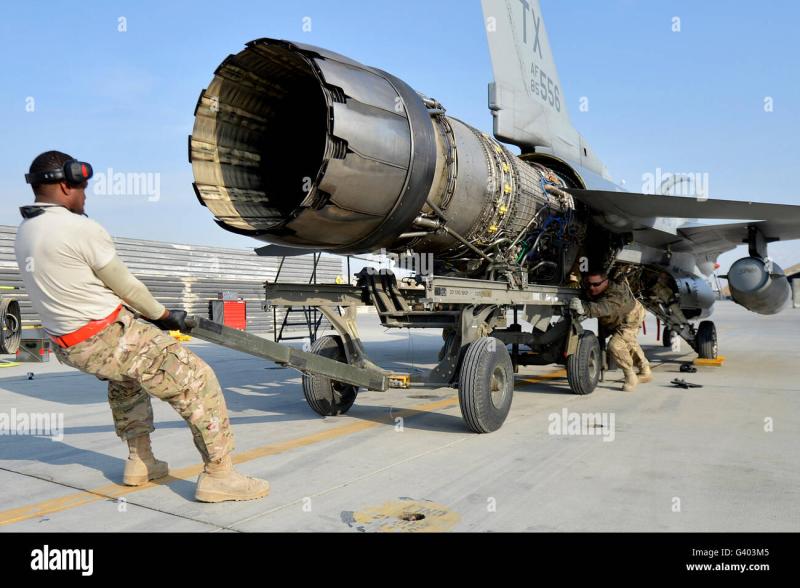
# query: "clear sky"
690, 102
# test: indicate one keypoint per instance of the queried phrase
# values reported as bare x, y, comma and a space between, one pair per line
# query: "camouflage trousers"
139, 360
624, 346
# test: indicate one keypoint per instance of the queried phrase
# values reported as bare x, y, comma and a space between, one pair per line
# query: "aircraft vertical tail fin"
526, 97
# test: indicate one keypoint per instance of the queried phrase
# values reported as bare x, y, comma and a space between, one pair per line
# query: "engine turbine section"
303, 147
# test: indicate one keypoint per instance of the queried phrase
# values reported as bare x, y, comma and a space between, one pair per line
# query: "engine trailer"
480, 351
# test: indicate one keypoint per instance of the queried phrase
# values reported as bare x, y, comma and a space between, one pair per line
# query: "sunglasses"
595, 284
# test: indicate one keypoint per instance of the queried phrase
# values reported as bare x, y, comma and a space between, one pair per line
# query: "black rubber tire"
706, 340
327, 397
486, 385
10, 325
583, 366
666, 337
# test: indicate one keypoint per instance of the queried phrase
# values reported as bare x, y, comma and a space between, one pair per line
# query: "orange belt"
86, 331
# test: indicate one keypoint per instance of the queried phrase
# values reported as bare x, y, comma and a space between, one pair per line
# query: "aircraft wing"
649, 205
661, 220
710, 237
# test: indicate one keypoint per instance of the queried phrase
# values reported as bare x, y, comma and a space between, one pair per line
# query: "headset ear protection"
74, 173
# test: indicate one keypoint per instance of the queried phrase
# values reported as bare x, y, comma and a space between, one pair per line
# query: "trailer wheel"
706, 340
486, 385
583, 366
10, 325
328, 397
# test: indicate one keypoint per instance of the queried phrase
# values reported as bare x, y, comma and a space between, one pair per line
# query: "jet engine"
302, 147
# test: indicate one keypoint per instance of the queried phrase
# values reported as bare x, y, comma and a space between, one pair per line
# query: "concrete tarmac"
718, 458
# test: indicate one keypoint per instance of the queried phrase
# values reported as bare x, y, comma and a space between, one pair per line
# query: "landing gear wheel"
327, 397
583, 366
666, 338
486, 385
706, 340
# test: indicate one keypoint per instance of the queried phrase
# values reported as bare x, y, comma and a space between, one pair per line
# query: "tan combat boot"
142, 466
220, 482
630, 381
645, 373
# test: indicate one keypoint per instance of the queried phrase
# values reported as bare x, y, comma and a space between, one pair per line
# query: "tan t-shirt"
57, 252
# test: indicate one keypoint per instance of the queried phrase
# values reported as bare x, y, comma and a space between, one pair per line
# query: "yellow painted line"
321, 436
544, 377
114, 491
